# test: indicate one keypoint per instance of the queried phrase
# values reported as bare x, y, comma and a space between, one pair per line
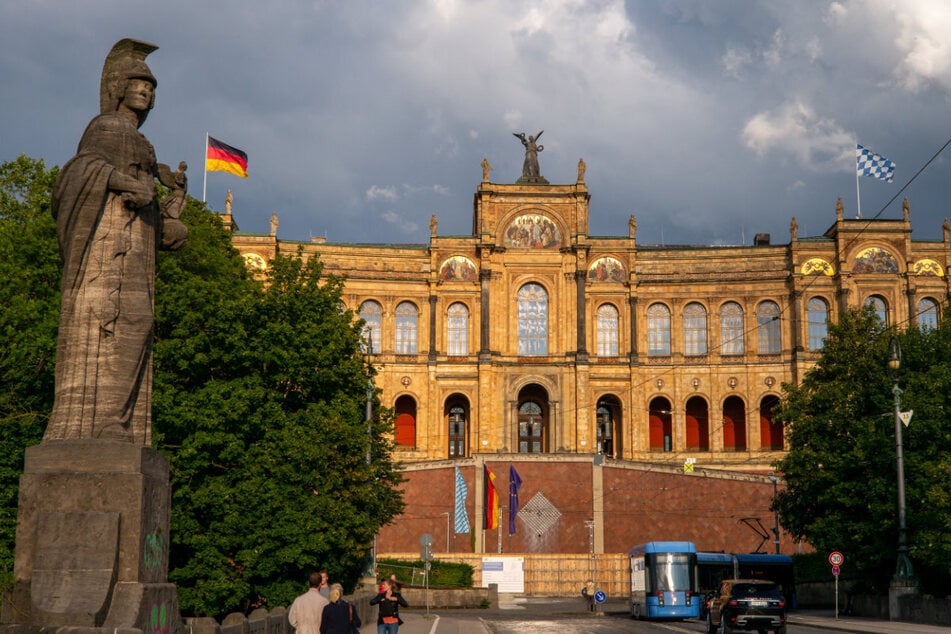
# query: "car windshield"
756, 591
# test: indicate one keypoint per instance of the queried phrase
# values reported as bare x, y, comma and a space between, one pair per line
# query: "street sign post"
836, 559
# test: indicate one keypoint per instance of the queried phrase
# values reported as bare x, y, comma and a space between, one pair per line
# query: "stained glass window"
457, 318
768, 328
927, 314
817, 314
407, 322
731, 329
532, 320
607, 331
695, 329
658, 331
372, 315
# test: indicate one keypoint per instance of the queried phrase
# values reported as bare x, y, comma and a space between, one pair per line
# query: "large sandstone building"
531, 343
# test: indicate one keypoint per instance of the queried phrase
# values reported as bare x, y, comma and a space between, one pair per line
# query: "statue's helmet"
125, 61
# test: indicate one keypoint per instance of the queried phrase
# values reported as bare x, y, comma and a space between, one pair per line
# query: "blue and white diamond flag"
868, 163
462, 519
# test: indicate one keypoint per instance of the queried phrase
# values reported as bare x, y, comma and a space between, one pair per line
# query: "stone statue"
229, 199
632, 226
530, 166
839, 208
274, 222
794, 228
486, 168
433, 223
905, 210
109, 224
582, 167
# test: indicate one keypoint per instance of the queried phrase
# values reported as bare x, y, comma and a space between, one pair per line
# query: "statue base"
92, 541
532, 180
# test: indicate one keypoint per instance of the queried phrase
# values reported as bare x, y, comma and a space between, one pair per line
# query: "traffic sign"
426, 540
836, 558
836, 570
600, 597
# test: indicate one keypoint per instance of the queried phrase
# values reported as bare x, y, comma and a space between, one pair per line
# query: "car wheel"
780, 630
711, 627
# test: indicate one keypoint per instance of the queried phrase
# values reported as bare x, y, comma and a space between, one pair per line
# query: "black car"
747, 604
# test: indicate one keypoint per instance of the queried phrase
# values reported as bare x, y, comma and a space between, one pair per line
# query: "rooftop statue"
110, 224
530, 170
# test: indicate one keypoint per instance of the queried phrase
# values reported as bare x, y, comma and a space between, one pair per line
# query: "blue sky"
710, 121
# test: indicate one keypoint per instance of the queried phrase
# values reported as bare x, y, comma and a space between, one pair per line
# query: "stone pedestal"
92, 541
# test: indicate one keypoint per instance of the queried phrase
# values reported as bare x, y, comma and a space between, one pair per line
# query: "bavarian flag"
491, 516
221, 157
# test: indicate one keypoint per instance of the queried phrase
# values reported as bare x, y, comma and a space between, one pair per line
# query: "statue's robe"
104, 351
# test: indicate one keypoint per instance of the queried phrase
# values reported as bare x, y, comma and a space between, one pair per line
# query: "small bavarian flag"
688, 465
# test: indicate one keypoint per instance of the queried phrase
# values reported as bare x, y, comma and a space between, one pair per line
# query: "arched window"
770, 430
695, 329
661, 425
878, 306
372, 315
457, 335
698, 425
405, 409
927, 314
607, 331
532, 320
768, 332
817, 314
609, 426
457, 417
731, 329
531, 428
658, 331
734, 424
407, 324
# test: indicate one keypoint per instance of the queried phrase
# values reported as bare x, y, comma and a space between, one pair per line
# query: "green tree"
259, 403
841, 469
30, 268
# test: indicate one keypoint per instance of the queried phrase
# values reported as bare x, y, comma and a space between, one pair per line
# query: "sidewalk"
470, 621
826, 619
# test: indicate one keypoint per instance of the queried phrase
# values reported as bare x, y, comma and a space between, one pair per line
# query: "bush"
442, 574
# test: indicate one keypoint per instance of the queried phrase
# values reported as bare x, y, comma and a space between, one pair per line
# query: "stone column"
582, 355
485, 276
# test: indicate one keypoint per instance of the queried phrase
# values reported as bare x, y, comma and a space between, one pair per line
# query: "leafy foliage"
260, 395
30, 268
258, 402
442, 574
841, 469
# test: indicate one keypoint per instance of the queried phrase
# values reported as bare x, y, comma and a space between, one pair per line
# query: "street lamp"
369, 571
904, 574
775, 480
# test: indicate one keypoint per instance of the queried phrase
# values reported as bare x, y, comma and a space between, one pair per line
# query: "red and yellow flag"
224, 158
491, 515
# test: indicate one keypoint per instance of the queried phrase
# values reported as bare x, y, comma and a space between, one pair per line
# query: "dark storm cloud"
709, 121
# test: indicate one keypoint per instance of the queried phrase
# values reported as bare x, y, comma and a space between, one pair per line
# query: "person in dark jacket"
388, 620
338, 614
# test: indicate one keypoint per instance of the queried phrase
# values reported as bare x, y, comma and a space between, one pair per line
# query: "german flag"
222, 157
491, 516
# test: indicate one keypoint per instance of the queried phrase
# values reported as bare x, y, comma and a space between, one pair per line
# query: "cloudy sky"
709, 120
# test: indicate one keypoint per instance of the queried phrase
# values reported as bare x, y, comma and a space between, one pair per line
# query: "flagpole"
858, 199
204, 187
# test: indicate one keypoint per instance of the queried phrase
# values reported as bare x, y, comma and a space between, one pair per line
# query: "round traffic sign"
426, 540
836, 558
600, 597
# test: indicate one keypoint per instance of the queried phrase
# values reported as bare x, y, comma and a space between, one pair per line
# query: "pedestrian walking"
388, 619
339, 617
307, 609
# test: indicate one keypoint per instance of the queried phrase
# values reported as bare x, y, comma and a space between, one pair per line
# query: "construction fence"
560, 575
